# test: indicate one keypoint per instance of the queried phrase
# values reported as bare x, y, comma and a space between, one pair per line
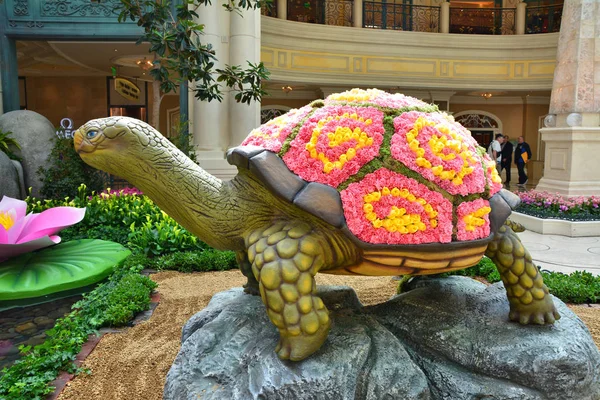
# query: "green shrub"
206, 260
577, 287
113, 303
7, 144
66, 171
485, 268
131, 220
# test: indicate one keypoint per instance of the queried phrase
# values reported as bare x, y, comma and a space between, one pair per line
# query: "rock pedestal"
444, 339
34, 133
9, 179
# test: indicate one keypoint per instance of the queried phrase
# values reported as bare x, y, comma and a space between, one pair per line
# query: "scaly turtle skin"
362, 183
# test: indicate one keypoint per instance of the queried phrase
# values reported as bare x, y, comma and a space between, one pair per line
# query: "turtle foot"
539, 312
252, 288
296, 348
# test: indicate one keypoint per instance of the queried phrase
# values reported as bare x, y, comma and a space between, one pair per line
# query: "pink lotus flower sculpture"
20, 233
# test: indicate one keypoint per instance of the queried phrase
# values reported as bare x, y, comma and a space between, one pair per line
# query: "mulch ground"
133, 363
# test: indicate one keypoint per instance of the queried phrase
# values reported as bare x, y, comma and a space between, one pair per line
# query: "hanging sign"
66, 130
127, 89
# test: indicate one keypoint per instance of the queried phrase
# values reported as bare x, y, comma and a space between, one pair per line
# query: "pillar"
520, 17
244, 47
9, 78
211, 119
572, 129
357, 13
282, 9
445, 17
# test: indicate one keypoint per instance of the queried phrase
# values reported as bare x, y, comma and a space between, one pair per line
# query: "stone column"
211, 119
9, 78
244, 47
357, 14
520, 16
445, 17
282, 9
572, 132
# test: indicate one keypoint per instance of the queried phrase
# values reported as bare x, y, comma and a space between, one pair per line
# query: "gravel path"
133, 364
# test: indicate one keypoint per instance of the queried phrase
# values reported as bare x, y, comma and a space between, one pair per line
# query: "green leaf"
65, 266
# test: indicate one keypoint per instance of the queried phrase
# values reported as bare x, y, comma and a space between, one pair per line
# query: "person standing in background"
507, 158
495, 150
522, 156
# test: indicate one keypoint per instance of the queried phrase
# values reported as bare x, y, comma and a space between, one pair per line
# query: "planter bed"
557, 226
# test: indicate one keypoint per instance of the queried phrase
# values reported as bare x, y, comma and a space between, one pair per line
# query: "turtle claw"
298, 347
538, 312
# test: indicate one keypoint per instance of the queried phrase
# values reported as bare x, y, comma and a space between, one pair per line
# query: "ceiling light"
286, 89
486, 95
145, 64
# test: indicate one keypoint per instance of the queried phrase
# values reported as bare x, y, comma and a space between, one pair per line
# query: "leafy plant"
577, 287
206, 260
111, 304
549, 205
180, 137
66, 171
175, 40
6, 142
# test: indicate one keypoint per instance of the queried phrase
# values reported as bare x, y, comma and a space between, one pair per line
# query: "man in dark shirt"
522, 157
507, 156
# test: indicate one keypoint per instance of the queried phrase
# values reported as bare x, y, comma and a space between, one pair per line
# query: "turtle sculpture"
362, 183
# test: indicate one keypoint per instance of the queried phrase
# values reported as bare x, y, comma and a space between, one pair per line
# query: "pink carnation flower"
440, 150
480, 224
334, 143
425, 208
377, 97
272, 134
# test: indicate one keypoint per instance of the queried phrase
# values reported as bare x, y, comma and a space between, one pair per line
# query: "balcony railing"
326, 12
483, 21
403, 17
395, 15
543, 19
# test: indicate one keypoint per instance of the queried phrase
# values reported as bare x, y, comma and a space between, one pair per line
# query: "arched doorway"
482, 124
267, 113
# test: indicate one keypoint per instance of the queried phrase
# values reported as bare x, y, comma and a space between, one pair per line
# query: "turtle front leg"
285, 259
529, 299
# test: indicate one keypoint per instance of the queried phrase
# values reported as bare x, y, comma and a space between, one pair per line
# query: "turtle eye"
91, 134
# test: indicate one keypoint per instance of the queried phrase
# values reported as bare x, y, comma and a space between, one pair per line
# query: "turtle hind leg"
529, 299
251, 287
285, 259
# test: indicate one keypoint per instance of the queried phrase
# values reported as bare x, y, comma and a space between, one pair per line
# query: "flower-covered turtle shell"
402, 172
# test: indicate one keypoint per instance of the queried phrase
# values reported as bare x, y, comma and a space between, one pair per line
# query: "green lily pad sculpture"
58, 268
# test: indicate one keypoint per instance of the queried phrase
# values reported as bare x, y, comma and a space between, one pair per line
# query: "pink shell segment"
431, 145
473, 220
334, 143
382, 206
376, 96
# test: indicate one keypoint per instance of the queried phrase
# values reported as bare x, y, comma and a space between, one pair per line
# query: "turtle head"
112, 144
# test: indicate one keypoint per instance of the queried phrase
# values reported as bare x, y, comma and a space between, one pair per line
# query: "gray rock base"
444, 339
9, 178
34, 133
